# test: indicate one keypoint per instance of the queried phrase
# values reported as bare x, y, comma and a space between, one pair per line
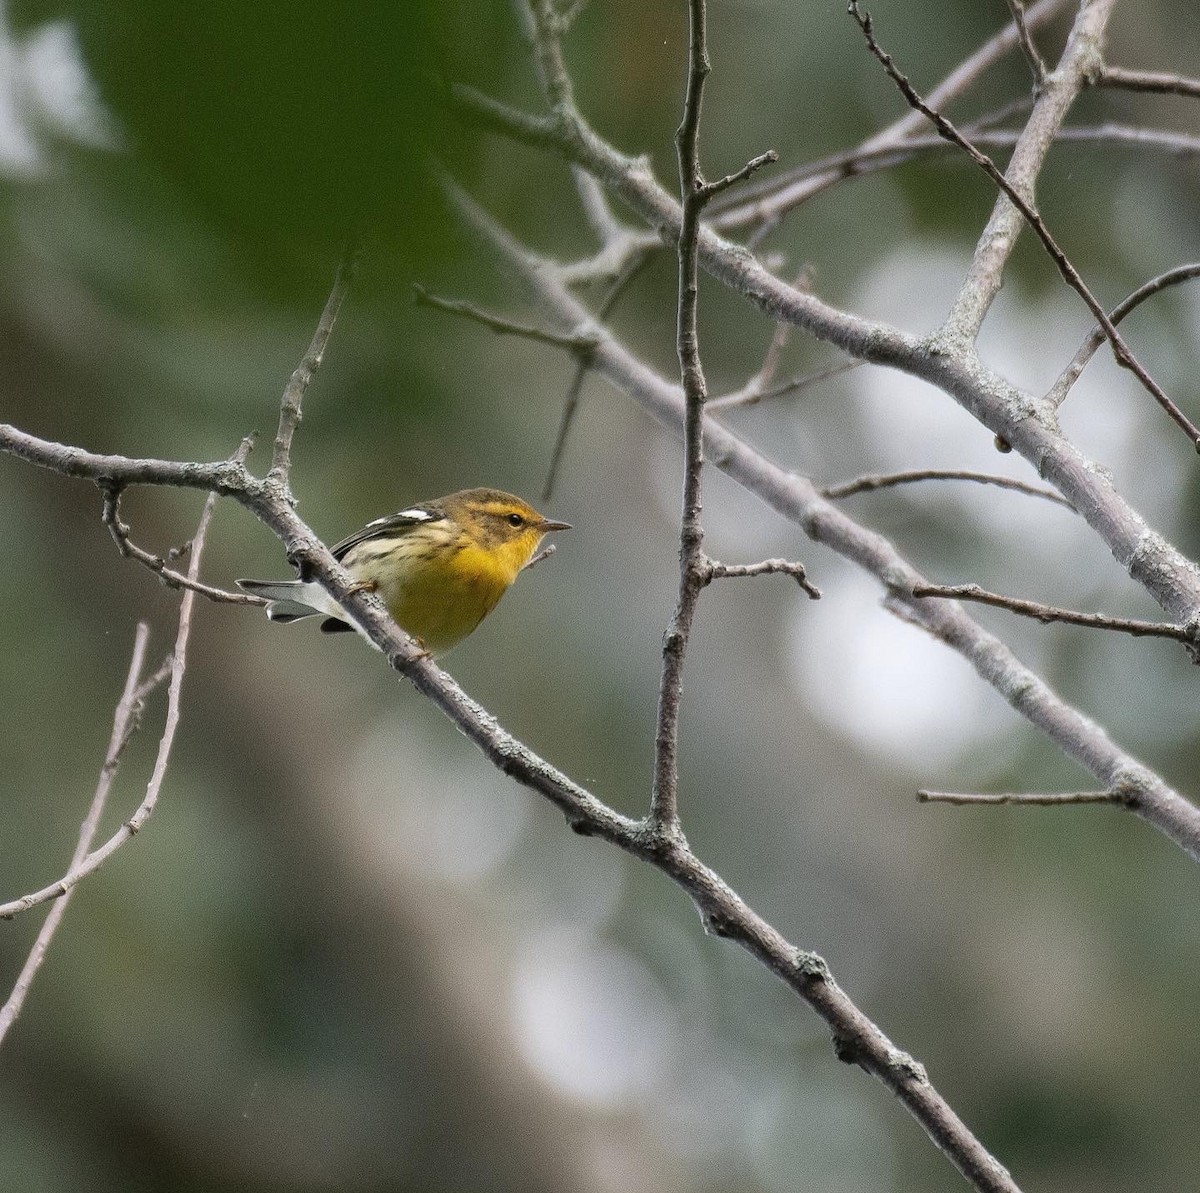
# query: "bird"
439, 566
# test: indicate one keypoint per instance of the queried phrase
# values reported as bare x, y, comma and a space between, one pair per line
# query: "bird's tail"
287, 598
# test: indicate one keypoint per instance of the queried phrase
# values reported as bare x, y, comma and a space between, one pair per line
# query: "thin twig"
887, 480
1181, 273
293, 393
1121, 351
711, 190
746, 397
125, 719
767, 203
1146, 80
1050, 613
540, 557
93, 860
1052, 102
579, 343
1049, 799
788, 191
753, 391
632, 267
569, 12
611, 262
767, 567
664, 800
594, 202
110, 515
1036, 65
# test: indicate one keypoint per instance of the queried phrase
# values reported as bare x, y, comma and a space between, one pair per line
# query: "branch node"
717, 924
847, 1048
705, 191
811, 967
907, 1067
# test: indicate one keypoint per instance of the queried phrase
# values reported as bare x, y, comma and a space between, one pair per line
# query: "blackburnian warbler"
439, 567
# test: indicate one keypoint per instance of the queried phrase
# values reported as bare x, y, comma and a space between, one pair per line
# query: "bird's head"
501, 524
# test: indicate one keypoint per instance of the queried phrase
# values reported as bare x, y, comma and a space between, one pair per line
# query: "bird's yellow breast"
441, 600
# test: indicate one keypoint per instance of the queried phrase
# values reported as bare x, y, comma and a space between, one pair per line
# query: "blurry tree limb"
860, 162
1055, 98
751, 394
93, 859
1050, 613
1052, 799
987, 269
888, 480
1071, 374
629, 271
578, 343
111, 517
125, 723
779, 196
1028, 47
1146, 80
293, 395
759, 385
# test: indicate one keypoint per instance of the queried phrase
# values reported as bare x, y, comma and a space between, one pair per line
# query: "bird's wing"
391, 526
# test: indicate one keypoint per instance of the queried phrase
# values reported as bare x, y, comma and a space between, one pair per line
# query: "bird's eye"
516, 520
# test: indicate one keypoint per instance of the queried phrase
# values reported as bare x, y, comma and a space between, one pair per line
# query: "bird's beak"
548, 524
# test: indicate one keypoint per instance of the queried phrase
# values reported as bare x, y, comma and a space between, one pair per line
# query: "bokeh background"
348, 955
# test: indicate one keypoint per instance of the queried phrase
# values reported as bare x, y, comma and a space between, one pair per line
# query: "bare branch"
570, 11
1051, 799
541, 556
578, 343
1036, 65
757, 387
224, 477
768, 202
767, 567
111, 517
711, 190
1181, 273
888, 480
125, 719
1049, 613
1146, 80
96, 858
748, 395
1011, 210
594, 202
632, 267
694, 192
293, 393
957, 325
621, 253
796, 186
547, 30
